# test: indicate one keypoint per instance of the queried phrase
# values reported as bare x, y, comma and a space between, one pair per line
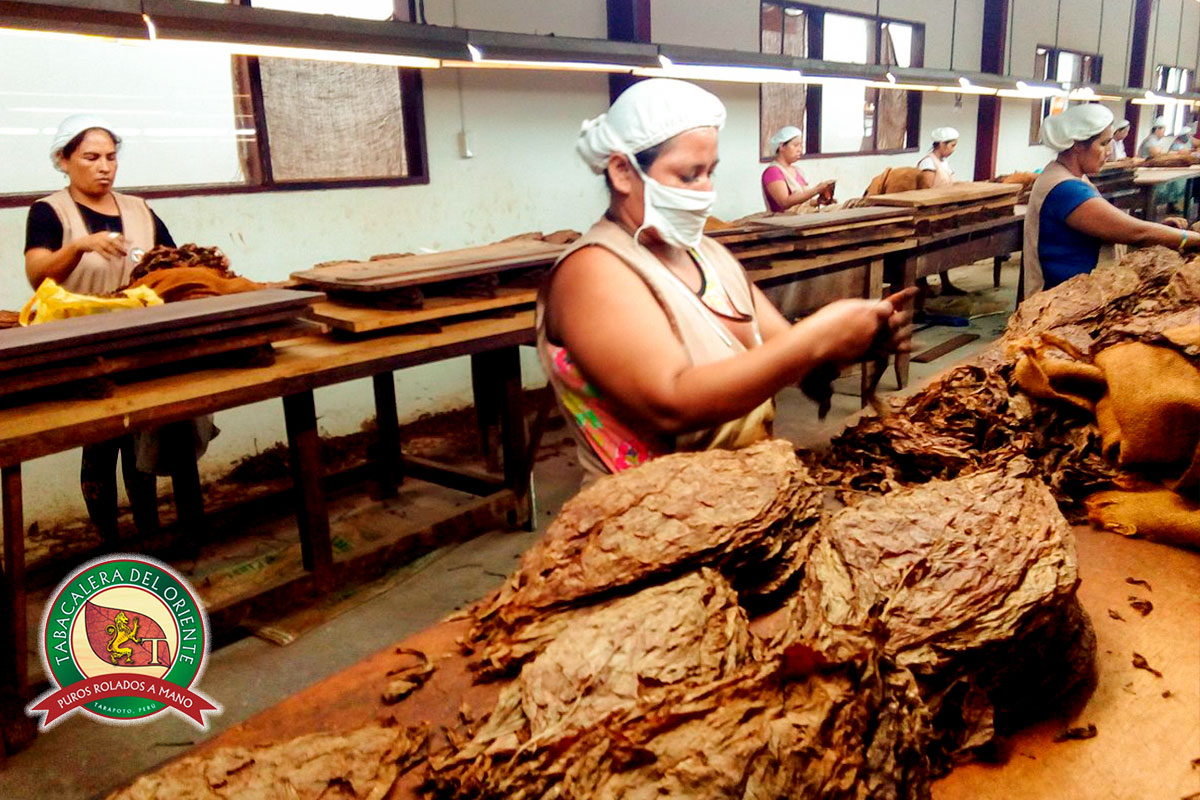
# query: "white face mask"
677, 214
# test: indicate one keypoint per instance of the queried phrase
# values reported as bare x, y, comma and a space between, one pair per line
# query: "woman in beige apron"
87, 238
934, 171
650, 334
1069, 228
784, 187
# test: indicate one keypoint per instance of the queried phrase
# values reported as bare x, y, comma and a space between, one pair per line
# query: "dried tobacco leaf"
974, 580
407, 679
741, 512
1139, 605
1139, 582
1114, 615
361, 764
1081, 732
1140, 662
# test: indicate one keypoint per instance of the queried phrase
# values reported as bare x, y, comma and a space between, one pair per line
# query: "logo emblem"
124, 639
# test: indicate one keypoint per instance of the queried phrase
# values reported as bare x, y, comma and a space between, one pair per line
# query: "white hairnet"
1120, 125
646, 114
1076, 124
1159, 122
783, 136
946, 134
74, 125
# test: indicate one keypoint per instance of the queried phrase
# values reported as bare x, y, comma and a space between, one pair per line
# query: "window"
1060, 66
1172, 80
195, 121
857, 118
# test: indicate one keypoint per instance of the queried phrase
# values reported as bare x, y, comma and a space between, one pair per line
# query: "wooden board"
363, 319
967, 192
394, 273
82, 335
850, 238
948, 346
842, 219
169, 353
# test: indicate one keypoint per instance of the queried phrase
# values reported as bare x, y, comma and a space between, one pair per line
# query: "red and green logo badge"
124, 639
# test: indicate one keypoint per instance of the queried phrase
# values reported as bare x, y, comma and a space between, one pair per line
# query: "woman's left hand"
895, 334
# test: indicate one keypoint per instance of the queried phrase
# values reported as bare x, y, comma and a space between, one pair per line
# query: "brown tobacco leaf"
1139, 582
1139, 662
1081, 732
361, 764
1139, 605
974, 581
186, 255
741, 512
1115, 615
407, 679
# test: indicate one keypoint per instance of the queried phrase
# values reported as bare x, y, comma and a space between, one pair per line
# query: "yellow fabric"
1070, 379
1157, 514
51, 302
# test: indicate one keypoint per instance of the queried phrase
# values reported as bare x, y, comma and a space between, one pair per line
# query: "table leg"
906, 268
387, 454
997, 264
487, 408
14, 665
502, 371
312, 516
873, 289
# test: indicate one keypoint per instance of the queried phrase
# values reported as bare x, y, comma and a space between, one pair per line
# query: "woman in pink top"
783, 184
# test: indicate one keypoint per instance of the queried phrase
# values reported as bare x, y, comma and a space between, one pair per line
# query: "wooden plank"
363, 319
942, 195
155, 321
792, 267
171, 353
46, 427
829, 242
146, 339
431, 268
828, 219
948, 346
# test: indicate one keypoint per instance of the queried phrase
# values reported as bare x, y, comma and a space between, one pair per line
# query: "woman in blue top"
1069, 228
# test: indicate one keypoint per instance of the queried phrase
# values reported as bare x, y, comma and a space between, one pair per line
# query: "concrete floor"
81, 758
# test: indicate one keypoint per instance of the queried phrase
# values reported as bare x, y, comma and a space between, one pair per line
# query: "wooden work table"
993, 238
301, 365
1143, 748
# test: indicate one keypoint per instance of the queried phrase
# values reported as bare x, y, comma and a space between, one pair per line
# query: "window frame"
815, 28
1161, 77
413, 122
1040, 111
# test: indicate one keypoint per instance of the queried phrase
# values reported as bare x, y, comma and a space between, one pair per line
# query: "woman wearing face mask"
784, 186
1069, 228
651, 334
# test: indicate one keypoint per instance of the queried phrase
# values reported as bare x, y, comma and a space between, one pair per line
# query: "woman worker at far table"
83, 237
1069, 228
651, 335
784, 186
936, 171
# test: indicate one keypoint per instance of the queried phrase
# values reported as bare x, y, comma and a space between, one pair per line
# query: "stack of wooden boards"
394, 291
90, 352
767, 235
1115, 183
948, 207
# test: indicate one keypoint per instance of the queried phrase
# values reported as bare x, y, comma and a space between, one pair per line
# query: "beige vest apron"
791, 182
95, 273
942, 176
1031, 267
704, 337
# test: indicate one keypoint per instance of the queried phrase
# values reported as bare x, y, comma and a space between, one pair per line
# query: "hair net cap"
71, 127
1159, 122
646, 114
946, 134
784, 135
1076, 124
1120, 125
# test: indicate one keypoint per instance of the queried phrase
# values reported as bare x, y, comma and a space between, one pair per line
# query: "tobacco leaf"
360, 764
1081, 732
1139, 582
1140, 662
1139, 605
974, 581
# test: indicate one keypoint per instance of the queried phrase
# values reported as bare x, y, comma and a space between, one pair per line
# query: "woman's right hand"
843, 331
105, 243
